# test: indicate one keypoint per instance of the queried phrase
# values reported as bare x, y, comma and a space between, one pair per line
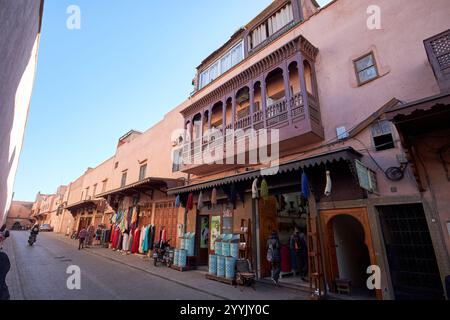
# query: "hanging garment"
264, 190
214, 196
200, 203
190, 201
134, 216
328, 184
305, 186
255, 189
183, 200
135, 247
177, 201
130, 241
125, 242
129, 217
145, 246
164, 235
149, 238
141, 240
152, 237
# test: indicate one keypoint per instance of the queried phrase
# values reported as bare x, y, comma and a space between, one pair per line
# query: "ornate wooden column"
287, 91
264, 99
304, 92
251, 91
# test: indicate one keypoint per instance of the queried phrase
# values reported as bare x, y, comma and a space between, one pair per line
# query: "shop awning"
142, 186
84, 204
425, 104
347, 154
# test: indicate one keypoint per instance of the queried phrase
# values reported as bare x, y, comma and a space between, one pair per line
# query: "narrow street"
39, 272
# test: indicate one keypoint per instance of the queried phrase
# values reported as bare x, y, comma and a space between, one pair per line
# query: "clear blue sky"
131, 62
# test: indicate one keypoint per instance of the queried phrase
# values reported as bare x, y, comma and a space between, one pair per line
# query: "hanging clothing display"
136, 238
190, 201
134, 216
305, 186
146, 232
125, 242
141, 240
264, 190
255, 194
214, 196
200, 203
152, 237
328, 184
177, 201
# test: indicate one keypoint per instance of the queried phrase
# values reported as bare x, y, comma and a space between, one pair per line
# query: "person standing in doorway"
294, 246
303, 255
81, 238
274, 256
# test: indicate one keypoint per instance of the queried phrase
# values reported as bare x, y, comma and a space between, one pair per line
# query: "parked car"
46, 228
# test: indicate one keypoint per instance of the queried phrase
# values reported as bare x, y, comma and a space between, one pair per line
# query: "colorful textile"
200, 203
145, 245
328, 184
177, 201
264, 190
190, 201
136, 238
305, 186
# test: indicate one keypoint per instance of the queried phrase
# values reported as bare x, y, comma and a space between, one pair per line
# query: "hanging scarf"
177, 201
214, 196
264, 190
328, 184
134, 216
190, 201
305, 186
200, 203
255, 189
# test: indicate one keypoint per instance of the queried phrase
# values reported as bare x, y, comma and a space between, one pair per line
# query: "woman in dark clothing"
5, 265
274, 255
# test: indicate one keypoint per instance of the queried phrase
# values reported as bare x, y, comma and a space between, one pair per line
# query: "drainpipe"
256, 239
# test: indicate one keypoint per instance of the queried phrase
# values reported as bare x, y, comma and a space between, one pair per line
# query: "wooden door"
166, 215
267, 223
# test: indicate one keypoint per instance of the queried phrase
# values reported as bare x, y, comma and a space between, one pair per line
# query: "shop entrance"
349, 249
166, 215
85, 222
285, 213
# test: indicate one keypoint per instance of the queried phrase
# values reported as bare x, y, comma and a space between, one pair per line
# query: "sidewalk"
194, 279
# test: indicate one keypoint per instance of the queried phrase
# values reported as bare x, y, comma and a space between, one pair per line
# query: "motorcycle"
32, 239
163, 254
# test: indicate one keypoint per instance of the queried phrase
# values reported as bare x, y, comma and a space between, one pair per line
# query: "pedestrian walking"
5, 266
81, 238
274, 255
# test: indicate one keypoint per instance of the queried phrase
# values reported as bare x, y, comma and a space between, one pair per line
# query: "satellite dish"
395, 173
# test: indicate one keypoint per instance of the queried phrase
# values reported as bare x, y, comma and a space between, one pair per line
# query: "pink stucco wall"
19, 24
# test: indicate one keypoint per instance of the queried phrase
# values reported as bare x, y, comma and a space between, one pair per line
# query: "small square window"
382, 136
366, 68
142, 171
124, 179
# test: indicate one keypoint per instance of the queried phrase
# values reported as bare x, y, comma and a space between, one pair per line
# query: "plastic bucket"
221, 266
218, 247
183, 258
226, 249
212, 264
230, 266
234, 249
183, 243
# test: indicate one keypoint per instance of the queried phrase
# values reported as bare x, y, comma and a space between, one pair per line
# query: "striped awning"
347, 154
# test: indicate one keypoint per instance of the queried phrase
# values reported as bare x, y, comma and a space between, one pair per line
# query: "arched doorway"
348, 248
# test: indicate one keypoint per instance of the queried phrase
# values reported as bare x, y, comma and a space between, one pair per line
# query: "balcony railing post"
304, 92
264, 100
252, 101
224, 115
287, 91
233, 112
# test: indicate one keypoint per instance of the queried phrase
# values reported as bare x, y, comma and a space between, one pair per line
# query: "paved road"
40, 271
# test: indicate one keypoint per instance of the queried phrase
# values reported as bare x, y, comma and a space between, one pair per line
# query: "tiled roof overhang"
347, 154
425, 104
142, 186
83, 204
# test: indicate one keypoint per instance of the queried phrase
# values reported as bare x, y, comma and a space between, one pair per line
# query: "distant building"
19, 216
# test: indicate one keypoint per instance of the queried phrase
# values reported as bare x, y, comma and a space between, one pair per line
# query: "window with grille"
382, 136
366, 68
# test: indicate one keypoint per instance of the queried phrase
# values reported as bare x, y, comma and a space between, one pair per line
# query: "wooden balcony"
298, 124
